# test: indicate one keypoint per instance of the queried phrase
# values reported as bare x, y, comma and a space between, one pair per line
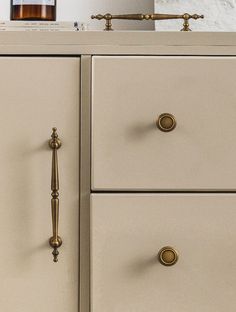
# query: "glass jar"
33, 10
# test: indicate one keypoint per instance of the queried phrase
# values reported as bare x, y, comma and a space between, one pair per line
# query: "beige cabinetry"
163, 175
147, 125
129, 152
129, 230
38, 93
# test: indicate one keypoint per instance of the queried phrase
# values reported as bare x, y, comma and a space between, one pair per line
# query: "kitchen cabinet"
129, 151
38, 93
146, 171
129, 230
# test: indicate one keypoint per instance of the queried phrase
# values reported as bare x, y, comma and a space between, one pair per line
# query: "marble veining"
220, 15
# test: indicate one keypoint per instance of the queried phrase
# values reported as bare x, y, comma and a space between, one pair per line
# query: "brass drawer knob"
168, 256
166, 122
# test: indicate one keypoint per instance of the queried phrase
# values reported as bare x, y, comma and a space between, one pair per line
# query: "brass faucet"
140, 17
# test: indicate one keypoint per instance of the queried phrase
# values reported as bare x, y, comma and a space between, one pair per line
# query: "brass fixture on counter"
55, 241
141, 17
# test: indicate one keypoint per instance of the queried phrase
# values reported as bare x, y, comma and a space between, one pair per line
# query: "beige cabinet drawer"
129, 152
127, 232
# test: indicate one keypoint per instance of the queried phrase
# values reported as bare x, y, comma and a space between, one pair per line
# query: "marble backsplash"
220, 15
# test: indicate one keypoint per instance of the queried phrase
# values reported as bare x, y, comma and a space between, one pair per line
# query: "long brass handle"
140, 17
55, 241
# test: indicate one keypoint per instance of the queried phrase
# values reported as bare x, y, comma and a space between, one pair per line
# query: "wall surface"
220, 15
82, 9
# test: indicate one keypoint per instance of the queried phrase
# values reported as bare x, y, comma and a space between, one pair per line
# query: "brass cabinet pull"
166, 122
55, 241
168, 256
142, 17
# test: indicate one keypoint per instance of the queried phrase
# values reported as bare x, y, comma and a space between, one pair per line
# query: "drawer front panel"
127, 232
129, 151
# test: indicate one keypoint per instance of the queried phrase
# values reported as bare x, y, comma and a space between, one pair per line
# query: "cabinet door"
130, 94
37, 94
127, 233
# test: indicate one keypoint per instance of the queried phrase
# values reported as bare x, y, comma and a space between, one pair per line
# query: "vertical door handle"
55, 241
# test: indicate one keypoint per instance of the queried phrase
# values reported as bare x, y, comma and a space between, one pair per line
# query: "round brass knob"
166, 122
168, 256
